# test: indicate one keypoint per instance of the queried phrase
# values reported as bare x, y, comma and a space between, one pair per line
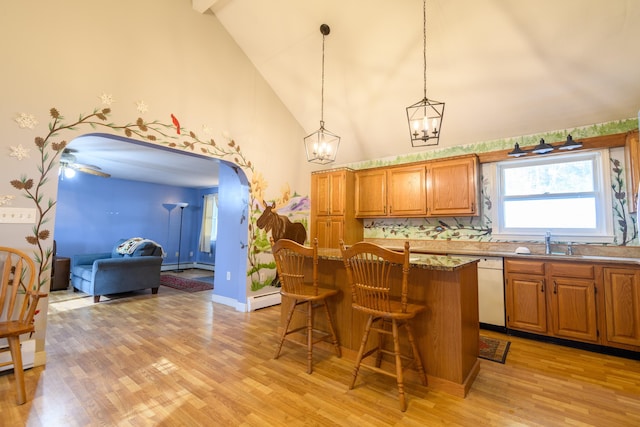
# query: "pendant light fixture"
425, 116
322, 145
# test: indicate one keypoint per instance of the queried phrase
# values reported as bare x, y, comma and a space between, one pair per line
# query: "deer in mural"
281, 228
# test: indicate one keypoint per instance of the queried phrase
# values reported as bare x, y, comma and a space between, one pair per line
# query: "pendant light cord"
424, 44
322, 89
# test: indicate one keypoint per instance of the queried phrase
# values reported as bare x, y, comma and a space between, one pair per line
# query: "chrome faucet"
570, 248
547, 243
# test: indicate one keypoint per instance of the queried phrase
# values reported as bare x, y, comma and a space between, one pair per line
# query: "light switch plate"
18, 215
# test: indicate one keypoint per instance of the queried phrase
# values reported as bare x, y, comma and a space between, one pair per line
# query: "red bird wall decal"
176, 123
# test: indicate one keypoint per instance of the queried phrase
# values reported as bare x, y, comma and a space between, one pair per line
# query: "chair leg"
309, 337
285, 329
332, 329
416, 354
16, 357
396, 351
363, 344
381, 341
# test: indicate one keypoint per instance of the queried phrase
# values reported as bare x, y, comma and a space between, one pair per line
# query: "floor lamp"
181, 206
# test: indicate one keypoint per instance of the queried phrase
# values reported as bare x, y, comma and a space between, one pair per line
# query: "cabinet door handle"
555, 287
542, 286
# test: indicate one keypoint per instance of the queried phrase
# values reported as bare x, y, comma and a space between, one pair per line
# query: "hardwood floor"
177, 359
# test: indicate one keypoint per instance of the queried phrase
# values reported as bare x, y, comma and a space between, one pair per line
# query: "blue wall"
92, 213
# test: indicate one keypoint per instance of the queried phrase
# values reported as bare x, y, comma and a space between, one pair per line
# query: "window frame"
603, 233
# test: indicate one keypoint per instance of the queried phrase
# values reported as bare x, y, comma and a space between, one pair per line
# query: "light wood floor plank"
177, 359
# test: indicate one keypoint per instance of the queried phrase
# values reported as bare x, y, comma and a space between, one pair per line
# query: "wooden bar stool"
18, 302
368, 270
290, 257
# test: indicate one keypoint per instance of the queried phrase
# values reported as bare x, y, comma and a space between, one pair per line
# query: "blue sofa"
130, 266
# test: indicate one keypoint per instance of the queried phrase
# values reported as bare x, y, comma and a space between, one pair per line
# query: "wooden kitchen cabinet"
371, 193
572, 298
332, 208
552, 298
452, 187
391, 192
330, 230
407, 196
526, 302
328, 197
632, 151
622, 307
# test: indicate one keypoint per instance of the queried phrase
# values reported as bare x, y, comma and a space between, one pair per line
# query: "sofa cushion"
82, 271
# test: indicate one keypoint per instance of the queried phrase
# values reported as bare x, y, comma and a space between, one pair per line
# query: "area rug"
184, 284
494, 349
208, 279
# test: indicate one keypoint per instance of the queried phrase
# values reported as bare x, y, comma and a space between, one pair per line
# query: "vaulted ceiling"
504, 68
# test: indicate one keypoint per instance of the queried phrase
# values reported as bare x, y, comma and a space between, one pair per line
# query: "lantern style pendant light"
322, 145
425, 116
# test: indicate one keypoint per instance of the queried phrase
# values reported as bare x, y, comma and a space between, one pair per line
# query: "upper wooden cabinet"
632, 150
396, 191
332, 208
328, 192
371, 193
436, 188
452, 187
407, 196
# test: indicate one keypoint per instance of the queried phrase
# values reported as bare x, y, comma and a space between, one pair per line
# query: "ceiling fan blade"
90, 169
84, 169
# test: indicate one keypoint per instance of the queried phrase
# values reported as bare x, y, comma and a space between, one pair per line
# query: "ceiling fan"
69, 165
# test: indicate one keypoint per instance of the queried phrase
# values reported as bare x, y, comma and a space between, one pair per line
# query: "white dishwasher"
491, 291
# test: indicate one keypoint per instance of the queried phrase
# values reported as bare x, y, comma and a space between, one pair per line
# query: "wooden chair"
290, 258
368, 271
18, 302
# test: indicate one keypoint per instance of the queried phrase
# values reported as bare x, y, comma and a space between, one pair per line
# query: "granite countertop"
583, 253
417, 260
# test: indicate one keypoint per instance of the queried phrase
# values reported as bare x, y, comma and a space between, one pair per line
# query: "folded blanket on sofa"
129, 246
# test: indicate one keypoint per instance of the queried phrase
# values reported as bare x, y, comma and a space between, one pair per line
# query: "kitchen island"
447, 332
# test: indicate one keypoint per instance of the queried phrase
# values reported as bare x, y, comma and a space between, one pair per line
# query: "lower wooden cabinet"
555, 299
573, 304
622, 307
526, 302
595, 303
330, 230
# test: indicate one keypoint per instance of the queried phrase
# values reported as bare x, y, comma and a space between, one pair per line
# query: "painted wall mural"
169, 133
288, 209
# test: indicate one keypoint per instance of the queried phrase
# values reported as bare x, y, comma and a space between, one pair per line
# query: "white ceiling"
130, 160
504, 68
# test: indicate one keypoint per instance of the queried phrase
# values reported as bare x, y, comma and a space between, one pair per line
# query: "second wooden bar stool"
369, 269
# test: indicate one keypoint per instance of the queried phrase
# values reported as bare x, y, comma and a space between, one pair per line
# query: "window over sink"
568, 195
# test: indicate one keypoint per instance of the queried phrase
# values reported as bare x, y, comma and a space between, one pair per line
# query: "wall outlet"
191, 253
228, 275
177, 253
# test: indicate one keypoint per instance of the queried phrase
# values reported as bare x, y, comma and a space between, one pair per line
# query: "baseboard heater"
261, 301
28, 355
